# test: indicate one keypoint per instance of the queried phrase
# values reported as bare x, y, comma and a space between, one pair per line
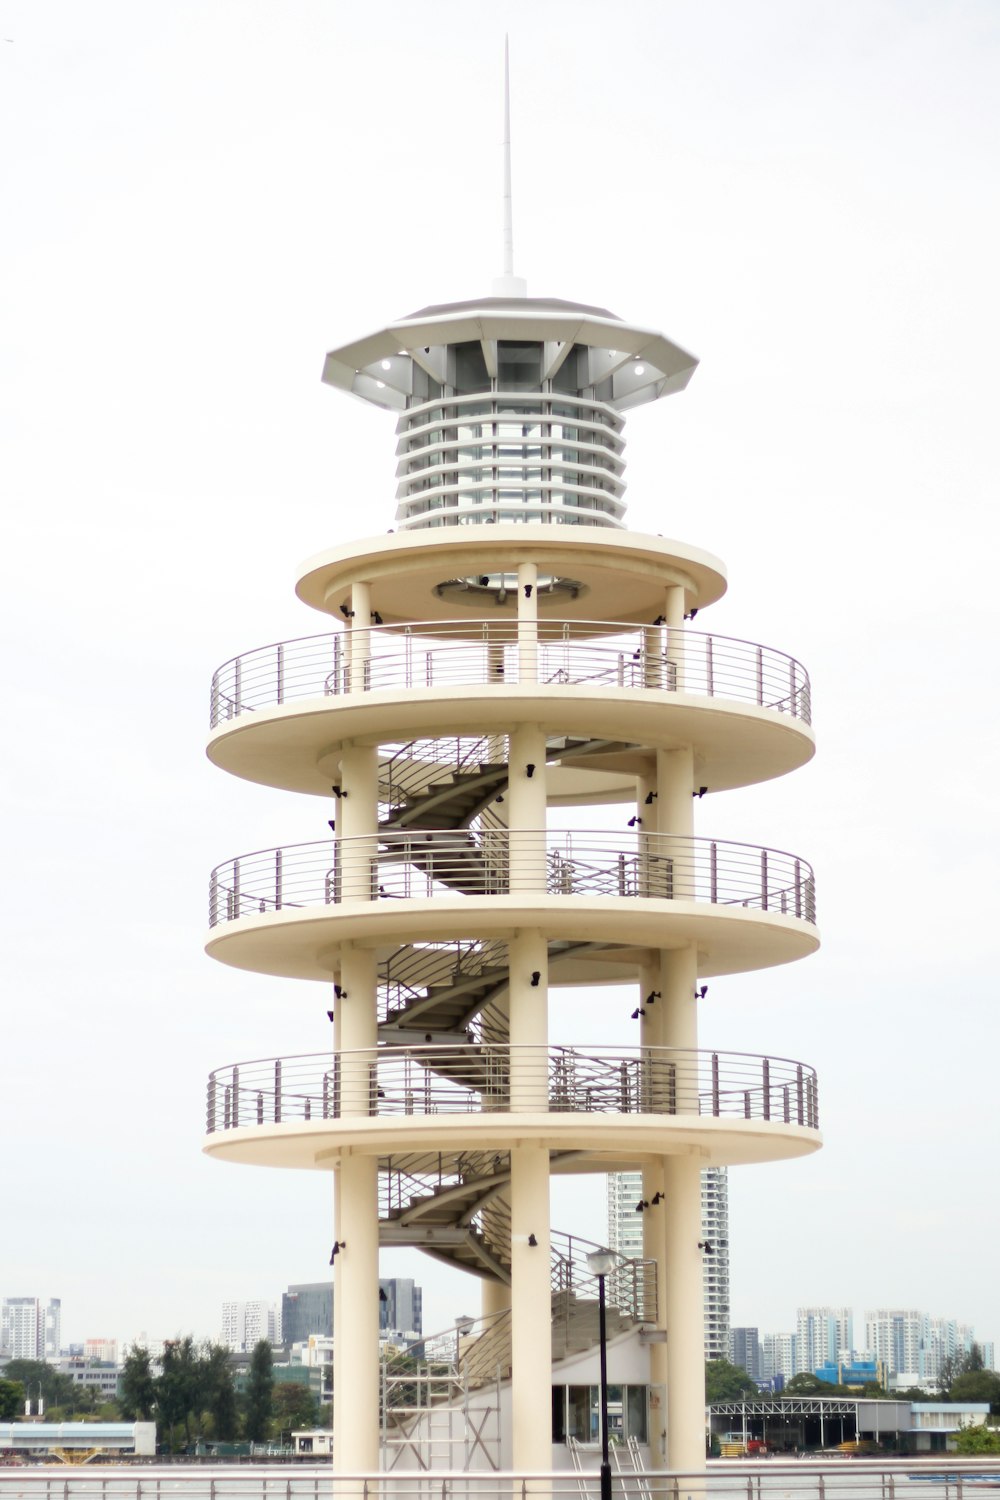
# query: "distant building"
307, 1308
101, 1379
916, 1347
104, 1351
244, 1324
30, 1329
823, 1336
777, 1356
402, 1309
744, 1351
624, 1191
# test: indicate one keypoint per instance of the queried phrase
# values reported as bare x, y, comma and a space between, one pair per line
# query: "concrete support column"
675, 819
526, 809
674, 609
528, 1021
531, 1309
360, 640
355, 1301
679, 1034
527, 622
357, 821
495, 1298
685, 1315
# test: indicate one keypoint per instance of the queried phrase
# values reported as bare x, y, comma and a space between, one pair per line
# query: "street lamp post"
600, 1262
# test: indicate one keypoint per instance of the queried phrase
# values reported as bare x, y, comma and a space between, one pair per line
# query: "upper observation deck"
510, 407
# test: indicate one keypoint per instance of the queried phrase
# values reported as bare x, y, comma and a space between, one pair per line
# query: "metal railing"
443, 1080
489, 862
476, 653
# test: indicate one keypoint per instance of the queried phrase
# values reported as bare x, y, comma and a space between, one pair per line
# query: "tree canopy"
11, 1400
727, 1382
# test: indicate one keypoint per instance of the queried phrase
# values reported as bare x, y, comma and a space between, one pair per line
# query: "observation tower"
505, 659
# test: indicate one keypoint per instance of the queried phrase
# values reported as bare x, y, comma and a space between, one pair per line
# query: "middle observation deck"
617, 691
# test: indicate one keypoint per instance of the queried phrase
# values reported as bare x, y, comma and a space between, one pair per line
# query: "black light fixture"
536, 978
331, 825
599, 1263
700, 792
484, 580
691, 613
638, 1012
641, 1206
338, 1245
651, 798
653, 996
530, 769
532, 1242
707, 1246
339, 994
498, 797
381, 1294
348, 614
527, 590
660, 620
701, 992
377, 617
635, 819
636, 654
338, 792
329, 1015
656, 1199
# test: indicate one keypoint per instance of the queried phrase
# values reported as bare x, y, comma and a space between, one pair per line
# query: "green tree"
294, 1407
257, 1401
37, 1377
217, 1393
11, 1400
177, 1387
727, 1382
807, 1384
137, 1387
977, 1385
977, 1440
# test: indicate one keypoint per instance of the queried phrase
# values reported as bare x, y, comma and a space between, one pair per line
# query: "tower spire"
508, 285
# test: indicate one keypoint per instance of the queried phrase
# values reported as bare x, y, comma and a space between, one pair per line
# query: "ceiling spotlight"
498, 797
640, 369
387, 364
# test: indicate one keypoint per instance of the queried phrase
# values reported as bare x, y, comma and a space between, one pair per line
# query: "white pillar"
531, 1309
526, 808
355, 1331
527, 955
494, 1297
527, 622
359, 640
675, 818
674, 609
685, 1315
357, 822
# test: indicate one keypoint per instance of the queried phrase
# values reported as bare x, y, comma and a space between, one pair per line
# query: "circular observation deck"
286, 911
458, 571
607, 699
607, 1106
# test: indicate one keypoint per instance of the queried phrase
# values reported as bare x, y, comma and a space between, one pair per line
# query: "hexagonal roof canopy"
640, 364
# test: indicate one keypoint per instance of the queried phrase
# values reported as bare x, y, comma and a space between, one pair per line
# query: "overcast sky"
199, 198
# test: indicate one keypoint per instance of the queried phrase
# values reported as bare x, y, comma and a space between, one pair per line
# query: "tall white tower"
508, 652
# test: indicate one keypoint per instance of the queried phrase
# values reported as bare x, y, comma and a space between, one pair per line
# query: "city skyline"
801, 202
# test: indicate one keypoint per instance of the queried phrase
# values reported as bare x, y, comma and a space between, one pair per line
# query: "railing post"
766, 1070
260, 1107
238, 686
800, 1094
211, 1105
760, 676
236, 888
709, 666
793, 691
798, 889
227, 1108
763, 880
235, 1110
213, 898
281, 673
715, 1084
713, 871
278, 892
277, 1091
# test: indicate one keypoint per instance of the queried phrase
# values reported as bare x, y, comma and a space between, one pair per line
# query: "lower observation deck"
285, 911
606, 1106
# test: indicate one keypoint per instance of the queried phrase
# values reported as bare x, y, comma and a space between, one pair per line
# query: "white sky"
199, 198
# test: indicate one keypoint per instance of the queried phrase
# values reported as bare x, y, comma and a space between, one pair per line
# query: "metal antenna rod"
508, 217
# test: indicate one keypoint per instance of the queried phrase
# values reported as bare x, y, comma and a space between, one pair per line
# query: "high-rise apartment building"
625, 1236
823, 1336
244, 1324
400, 1306
30, 1329
778, 1356
745, 1351
104, 1351
506, 656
